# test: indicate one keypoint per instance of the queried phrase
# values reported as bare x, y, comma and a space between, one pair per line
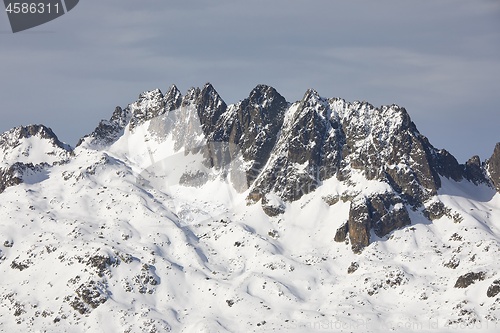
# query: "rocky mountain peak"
306, 152
262, 93
150, 96
173, 98
108, 131
210, 106
474, 171
266, 100
190, 96
208, 88
150, 104
253, 126
120, 116
24, 143
493, 166
312, 97
29, 150
12, 137
35, 130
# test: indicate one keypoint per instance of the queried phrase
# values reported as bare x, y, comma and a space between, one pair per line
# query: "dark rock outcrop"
436, 210
253, 126
388, 213
474, 171
272, 209
466, 280
210, 107
385, 145
359, 225
352, 268
150, 104
446, 165
9, 177
493, 166
341, 234
88, 297
14, 174
383, 213
310, 137
108, 131
494, 289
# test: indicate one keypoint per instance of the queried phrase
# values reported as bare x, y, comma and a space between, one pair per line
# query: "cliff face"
493, 167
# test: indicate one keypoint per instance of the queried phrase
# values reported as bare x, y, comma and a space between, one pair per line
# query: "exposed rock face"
8, 177
388, 214
272, 208
447, 165
493, 166
385, 145
210, 108
108, 131
307, 151
353, 268
474, 171
253, 125
359, 225
466, 280
436, 210
172, 99
15, 174
453, 263
494, 289
382, 213
341, 234
11, 137
150, 104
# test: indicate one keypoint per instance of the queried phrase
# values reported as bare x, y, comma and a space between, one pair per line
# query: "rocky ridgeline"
291, 149
493, 167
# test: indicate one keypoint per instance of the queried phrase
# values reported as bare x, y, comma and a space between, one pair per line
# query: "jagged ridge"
288, 150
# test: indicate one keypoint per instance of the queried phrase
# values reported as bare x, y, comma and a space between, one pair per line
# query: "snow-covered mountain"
182, 213
27, 152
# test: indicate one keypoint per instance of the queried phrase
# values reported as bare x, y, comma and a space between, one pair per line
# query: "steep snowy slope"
153, 226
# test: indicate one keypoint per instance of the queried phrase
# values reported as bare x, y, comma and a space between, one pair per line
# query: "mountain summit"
181, 211
27, 151
287, 150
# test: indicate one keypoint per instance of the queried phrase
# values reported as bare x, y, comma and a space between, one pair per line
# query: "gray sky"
439, 59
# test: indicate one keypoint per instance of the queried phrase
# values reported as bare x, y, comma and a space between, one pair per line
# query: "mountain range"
182, 213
